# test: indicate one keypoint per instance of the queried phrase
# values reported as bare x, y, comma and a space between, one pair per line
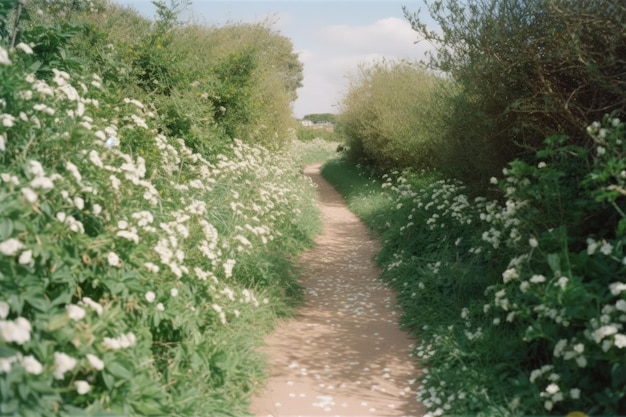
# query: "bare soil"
344, 353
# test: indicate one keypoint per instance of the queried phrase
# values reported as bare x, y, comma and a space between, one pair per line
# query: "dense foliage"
143, 251
387, 117
525, 70
519, 305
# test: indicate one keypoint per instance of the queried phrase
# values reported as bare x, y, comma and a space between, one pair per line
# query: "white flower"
4, 57
32, 365
533, 242
17, 331
75, 312
4, 310
552, 388
79, 203
536, 279
113, 259
581, 361
151, 267
25, 257
30, 195
95, 362
621, 305
493, 180
93, 305
601, 150
574, 393
150, 296
541, 165
160, 307
603, 332
174, 292
562, 282
82, 387
62, 364
24, 48
620, 340
617, 287
10, 247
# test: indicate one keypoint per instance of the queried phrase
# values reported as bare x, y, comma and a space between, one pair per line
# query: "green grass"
361, 193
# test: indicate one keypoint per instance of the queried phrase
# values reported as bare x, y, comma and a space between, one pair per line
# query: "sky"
331, 38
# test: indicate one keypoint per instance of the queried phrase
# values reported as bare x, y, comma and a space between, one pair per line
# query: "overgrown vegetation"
144, 251
518, 305
387, 118
506, 248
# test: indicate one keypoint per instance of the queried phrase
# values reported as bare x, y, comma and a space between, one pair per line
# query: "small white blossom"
150, 296
82, 387
113, 259
10, 247
75, 312
32, 365
574, 393
62, 364
4, 57
95, 362
30, 195
174, 292
24, 48
4, 310
26, 257
160, 307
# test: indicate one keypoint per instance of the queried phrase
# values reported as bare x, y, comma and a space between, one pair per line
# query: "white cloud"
338, 51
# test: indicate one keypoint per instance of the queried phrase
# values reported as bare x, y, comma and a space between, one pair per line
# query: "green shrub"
388, 118
526, 71
518, 303
136, 275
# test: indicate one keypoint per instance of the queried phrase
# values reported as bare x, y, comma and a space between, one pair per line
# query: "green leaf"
119, 370
6, 229
554, 260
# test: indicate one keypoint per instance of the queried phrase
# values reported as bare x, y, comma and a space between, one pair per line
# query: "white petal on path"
345, 339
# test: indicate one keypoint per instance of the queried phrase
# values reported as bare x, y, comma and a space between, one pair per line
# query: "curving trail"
343, 354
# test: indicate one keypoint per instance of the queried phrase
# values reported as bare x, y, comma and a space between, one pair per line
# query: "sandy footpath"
343, 354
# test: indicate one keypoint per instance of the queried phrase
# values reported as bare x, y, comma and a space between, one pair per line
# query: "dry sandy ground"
343, 354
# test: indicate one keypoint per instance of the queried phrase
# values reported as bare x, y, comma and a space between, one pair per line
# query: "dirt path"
343, 355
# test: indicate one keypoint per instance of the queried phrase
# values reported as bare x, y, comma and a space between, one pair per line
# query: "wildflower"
62, 364
151, 267
75, 312
174, 292
562, 282
493, 180
160, 307
536, 279
620, 340
95, 362
601, 150
93, 305
24, 48
30, 195
4, 57
10, 247
150, 296
17, 331
606, 248
581, 361
32, 365
113, 259
533, 242
603, 332
25, 257
541, 165
4, 310
574, 393
82, 387
552, 388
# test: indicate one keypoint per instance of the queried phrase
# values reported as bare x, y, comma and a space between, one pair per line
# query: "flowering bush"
518, 303
128, 262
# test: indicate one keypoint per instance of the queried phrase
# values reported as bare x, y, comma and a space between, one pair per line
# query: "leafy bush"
136, 275
519, 303
525, 71
388, 116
